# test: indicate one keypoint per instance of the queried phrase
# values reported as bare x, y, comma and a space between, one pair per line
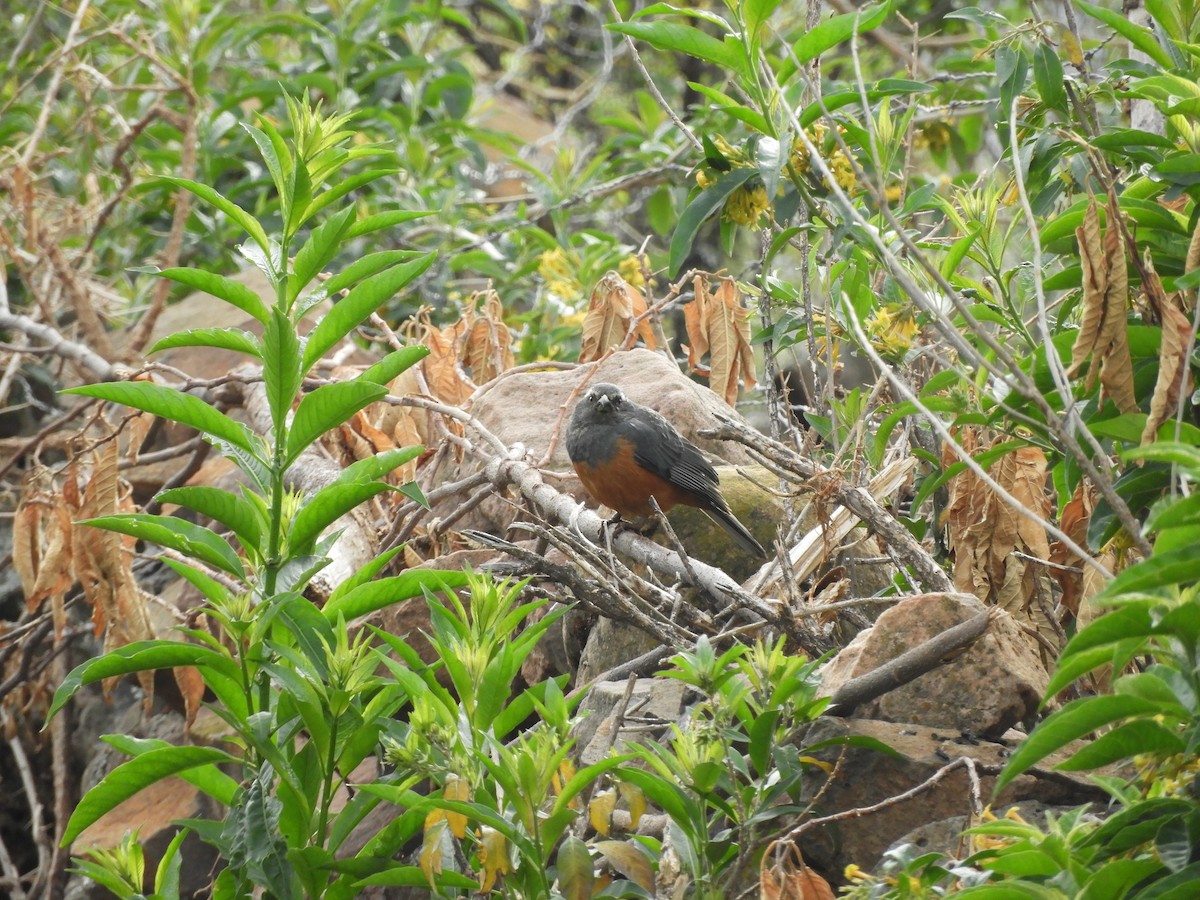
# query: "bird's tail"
737, 531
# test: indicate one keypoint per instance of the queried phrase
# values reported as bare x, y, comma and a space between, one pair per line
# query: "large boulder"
997, 682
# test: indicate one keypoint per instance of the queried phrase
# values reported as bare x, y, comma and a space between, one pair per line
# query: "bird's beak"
603, 403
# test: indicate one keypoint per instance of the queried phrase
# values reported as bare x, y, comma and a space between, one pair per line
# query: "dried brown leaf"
1174, 374
42, 548
789, 878
728, 329
616, 314
104, 565
1076, 516
1192, 261
487, 342
1095, 287
1103, 334
695, 319
444, 374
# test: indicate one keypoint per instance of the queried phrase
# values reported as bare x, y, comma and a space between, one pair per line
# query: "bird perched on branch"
625, 454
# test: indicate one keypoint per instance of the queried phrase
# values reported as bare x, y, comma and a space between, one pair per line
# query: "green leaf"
174, 405
141, 656
1048, 76
236, 339
166, 877
175, 534
270, 153
1124, 742
1073, 721
247, 222
829, 34
128, 778
301, 196
732, 107
213, 781
679, 38
232, 292
234, 512
363, 300
379, 221
318, 251
333, 502
702, 206
373, 595
413, 876
209, 587
1140, 37
282, 374
1187, 456
575, 869
1160, 570
393, 364
344, 187
327, 407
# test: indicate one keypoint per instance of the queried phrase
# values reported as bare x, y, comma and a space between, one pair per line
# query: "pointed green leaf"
373, 595
344, 187
212, 781
829, 34
1139, 36
1073, 721
378, 465
366, 573
301, 196
318, 251
1124, 742
1161, 570
349, 312
274, 153
174, 405
236, 339
141, 656
382, 220
333, 502
705, 203
208, 586
128, 778
327, 407
247, 222
679, 38
234, 512
232, 292
282, 374
175, 534
393, 364
369, 265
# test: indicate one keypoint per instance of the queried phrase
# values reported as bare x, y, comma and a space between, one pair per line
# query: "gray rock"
997, 682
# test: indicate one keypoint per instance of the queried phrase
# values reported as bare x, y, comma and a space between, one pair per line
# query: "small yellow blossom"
559, 269
705, 178
746, 205
630, 268
891, 330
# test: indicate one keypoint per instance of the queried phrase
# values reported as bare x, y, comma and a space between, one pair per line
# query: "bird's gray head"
604, 399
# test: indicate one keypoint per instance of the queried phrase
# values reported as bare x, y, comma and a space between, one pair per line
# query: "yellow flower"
630, 268
746, 205
842, 170
705, 178
891, 330
559, 268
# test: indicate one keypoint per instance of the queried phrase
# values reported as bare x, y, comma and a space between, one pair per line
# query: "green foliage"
730, 776
303, 701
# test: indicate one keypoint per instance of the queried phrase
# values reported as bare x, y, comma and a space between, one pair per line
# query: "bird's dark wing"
660, 449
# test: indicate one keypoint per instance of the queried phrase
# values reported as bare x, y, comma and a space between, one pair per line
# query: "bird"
625, 454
